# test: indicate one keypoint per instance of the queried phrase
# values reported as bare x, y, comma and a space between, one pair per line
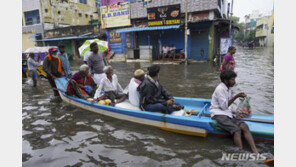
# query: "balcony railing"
261, 33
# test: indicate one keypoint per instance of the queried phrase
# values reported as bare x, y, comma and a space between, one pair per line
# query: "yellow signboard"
115, 15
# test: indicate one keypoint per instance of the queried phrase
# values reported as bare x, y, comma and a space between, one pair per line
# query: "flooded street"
58, 134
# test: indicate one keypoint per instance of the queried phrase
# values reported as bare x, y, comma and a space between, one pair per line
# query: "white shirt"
32, 64
133, 94
86, 55
107, 86
220, 99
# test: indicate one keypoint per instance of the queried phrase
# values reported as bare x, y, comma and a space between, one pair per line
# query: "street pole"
230, 24
186, 36
231, 8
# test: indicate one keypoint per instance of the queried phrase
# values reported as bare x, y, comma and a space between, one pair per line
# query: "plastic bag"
244, 108
29, 81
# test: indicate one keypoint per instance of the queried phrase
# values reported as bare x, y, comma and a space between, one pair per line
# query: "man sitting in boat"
153, 96
131, 90
221, 112
81, 84
109, 84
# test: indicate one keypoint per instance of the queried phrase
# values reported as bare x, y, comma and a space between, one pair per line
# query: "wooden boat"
199, 124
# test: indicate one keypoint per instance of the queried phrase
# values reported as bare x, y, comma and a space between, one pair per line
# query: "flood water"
57, 134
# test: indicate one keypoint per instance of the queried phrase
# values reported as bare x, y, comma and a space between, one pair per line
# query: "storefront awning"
62, 38
147, 28
71, 38
33, 36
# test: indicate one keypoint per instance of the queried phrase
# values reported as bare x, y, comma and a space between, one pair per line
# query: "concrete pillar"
211, 42
75, 50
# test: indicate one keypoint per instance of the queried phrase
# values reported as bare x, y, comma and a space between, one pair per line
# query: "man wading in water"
52, 65
220, 111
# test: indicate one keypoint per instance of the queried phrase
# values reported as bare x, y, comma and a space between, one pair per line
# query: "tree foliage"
238, 35
250, 36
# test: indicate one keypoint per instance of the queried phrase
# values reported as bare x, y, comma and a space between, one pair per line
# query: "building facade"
40, 16
251, 20
32, 27
63, 13
207, 23
265, 31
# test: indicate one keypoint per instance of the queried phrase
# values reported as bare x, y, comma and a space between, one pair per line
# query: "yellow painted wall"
262, 21
265, 36
26, 42
69, 12
270, 36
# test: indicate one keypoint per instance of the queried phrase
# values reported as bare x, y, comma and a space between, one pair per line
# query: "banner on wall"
225, 43
166, 15
116, 41
116, 15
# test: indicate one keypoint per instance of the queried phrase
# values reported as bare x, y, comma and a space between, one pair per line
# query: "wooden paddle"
269, 160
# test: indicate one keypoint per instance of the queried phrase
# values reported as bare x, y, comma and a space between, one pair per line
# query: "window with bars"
32, 17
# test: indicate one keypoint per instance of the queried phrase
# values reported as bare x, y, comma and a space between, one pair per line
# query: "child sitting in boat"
153, 96
221, 112
109, 84
81, 84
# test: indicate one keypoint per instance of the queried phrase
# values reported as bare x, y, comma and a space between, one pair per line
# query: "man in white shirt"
32, 67
109, 84
165, 50
221, 112
131, 89
85, 57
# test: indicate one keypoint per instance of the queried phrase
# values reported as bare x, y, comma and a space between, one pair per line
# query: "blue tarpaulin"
147, 28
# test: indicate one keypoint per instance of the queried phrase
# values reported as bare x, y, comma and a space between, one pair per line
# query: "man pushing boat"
53, 67
221, 112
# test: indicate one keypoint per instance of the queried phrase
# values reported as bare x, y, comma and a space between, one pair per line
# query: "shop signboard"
116, 41
200, 16
165, 15
116, 15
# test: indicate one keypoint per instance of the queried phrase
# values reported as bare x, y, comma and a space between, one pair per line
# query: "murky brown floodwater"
57, 134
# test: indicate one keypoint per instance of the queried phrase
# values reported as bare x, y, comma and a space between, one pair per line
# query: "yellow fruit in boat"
102, 102
108, 101
89, 99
